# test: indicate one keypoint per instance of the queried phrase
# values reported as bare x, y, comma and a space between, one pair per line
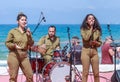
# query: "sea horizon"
42, 29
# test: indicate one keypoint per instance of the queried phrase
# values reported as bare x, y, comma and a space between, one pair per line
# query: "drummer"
48, 43
75, 51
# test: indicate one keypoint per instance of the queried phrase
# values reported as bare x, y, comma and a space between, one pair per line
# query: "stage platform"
106, 72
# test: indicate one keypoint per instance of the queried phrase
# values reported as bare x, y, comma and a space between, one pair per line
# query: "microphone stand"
70, 55
43, 19
108, 26
39, 22
113, 45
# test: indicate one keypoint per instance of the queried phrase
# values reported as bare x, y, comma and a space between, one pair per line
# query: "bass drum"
55, 71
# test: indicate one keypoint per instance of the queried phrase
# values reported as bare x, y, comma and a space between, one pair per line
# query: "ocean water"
62, 32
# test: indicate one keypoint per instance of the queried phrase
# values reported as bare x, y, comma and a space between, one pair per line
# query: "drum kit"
54, 71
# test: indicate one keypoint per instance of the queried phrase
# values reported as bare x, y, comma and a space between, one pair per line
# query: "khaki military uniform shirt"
86, 34
21, 39
50, 45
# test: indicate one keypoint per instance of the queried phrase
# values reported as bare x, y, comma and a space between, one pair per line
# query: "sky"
60, 11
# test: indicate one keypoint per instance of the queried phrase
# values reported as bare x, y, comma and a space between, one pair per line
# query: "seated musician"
75, 51
48, 43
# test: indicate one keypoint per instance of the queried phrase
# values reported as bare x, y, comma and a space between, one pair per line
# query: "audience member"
107, 52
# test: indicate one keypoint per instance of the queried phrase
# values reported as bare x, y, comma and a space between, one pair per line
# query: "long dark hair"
96, 25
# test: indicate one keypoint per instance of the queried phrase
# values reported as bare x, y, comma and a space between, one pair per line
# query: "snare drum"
57, 57
55, 71
37, 64
57, 53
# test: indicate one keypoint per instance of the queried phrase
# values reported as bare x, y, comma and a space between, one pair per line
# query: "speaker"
116, 76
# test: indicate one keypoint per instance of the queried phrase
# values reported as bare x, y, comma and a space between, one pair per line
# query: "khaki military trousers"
14, 62
90, 57
47, 58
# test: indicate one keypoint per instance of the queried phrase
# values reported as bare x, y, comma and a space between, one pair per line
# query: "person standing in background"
91, 36
18, 41
107, 52
49, 43
75, 51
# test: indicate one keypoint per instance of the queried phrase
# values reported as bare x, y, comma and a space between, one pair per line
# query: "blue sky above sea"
60, 11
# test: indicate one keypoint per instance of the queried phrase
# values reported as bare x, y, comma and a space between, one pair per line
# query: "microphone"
108, 26
43, 17
68, 29
25, 29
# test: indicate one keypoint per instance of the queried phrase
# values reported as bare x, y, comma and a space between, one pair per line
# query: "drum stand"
74, 69
38, 79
